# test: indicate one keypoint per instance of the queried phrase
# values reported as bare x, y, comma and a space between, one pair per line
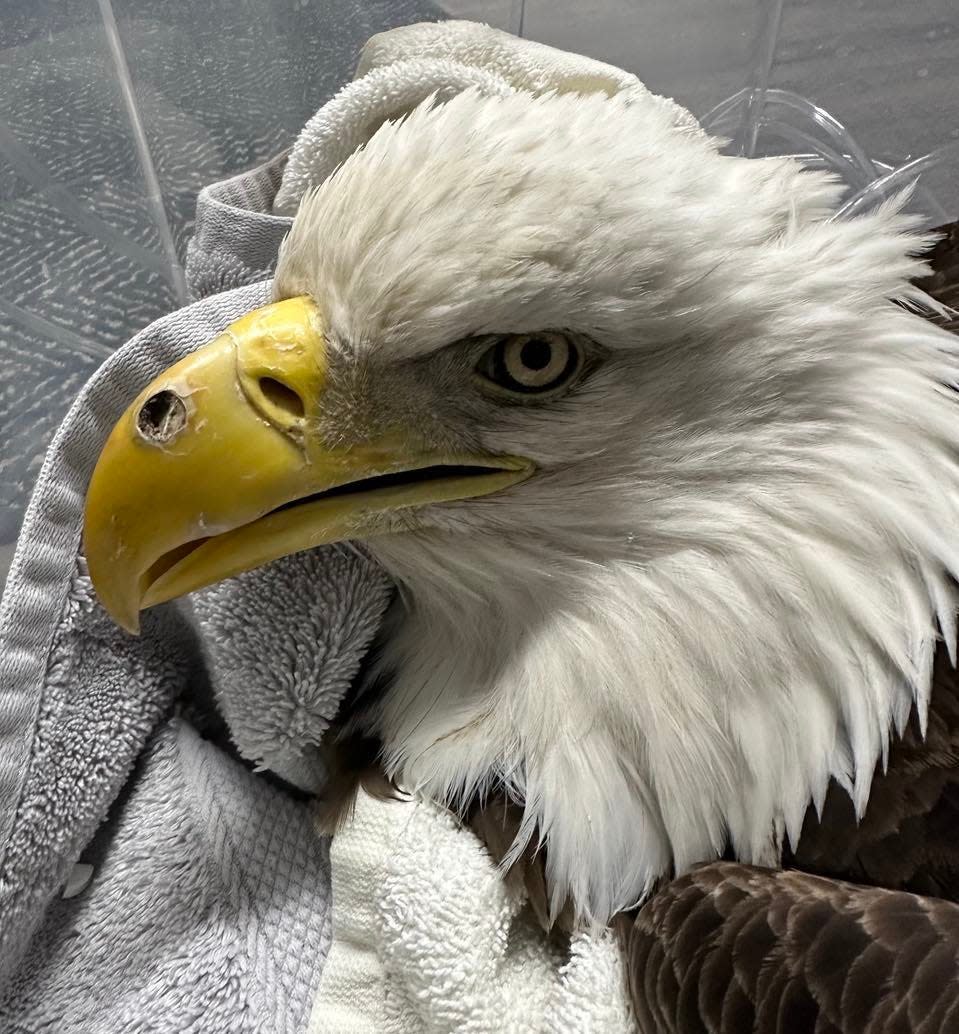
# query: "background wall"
887, 68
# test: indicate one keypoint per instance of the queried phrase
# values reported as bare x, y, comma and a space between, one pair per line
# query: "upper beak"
218, 467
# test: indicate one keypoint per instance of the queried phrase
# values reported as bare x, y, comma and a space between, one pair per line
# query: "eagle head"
663, 467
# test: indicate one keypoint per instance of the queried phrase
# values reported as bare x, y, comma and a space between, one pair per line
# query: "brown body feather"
943, 282
907, 839
728, 949
732, 949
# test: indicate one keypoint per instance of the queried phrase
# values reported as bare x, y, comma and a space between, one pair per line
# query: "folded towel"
429, 938
285, 642
236, 234
403, 67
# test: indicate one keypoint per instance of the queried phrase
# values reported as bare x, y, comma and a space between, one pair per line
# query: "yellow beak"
217, 468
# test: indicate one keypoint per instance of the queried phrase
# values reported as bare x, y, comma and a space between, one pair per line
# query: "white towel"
403, 67
428, 938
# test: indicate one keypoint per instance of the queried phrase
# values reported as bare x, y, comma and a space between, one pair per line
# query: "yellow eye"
531, 364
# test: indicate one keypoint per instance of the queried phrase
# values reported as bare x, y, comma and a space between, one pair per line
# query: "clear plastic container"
114, 113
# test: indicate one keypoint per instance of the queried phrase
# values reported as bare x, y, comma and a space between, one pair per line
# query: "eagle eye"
530, 364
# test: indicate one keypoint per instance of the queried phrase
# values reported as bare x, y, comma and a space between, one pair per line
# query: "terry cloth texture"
404, 67
207, 911
429, 939
209, 903
217, 257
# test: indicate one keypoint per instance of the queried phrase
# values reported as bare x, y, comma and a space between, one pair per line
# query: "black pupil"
536, 354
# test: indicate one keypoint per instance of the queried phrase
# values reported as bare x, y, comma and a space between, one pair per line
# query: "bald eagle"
660, 456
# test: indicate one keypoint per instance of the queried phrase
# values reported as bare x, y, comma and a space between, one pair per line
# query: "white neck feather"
723, 585
648, 710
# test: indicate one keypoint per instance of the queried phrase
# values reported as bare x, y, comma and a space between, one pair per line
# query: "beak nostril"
282, 397
162, 417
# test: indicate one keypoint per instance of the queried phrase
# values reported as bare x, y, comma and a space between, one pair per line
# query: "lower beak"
217, 468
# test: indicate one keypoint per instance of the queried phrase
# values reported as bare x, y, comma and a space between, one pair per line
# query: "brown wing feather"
729, 949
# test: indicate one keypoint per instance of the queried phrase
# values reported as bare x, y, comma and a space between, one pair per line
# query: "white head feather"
722, 587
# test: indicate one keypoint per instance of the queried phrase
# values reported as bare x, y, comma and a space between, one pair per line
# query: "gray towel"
208, 907
217, 257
